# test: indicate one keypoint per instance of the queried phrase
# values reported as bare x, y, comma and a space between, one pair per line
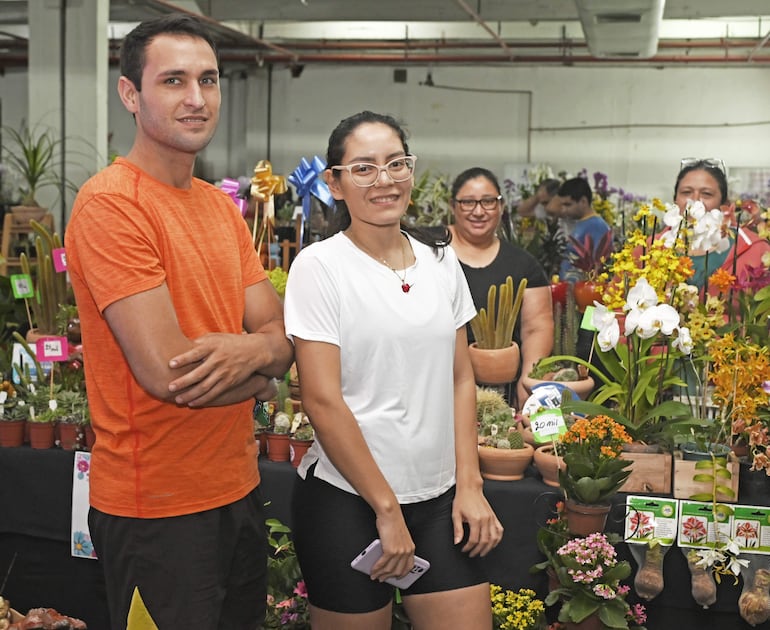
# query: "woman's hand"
397, 549
471, 510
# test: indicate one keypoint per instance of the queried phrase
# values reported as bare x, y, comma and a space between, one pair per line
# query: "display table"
36, 492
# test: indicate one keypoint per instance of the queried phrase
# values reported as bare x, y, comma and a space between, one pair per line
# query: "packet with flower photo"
650, 531
751, 528
651, 519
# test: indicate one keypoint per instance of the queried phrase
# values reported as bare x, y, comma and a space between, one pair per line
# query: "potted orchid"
640, 369
642, 338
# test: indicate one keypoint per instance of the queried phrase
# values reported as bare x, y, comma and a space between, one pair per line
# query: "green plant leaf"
703, 478
580, 608
724, 490
701, 496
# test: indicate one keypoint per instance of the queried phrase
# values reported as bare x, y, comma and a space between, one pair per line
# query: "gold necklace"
405, 286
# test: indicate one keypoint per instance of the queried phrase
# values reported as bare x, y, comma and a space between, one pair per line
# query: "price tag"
51, 349
587, 323
547, 425
22, 287
59, 259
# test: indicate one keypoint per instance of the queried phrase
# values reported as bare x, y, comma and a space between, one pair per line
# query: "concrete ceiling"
428, 32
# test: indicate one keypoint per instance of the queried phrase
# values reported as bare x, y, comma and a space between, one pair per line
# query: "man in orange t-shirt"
181, 331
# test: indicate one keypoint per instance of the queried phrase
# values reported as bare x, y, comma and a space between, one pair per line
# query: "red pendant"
405, 287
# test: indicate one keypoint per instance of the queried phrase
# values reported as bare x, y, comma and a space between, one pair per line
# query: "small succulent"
281, 422
497, 424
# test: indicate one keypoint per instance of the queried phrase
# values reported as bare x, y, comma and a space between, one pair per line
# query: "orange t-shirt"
130, 233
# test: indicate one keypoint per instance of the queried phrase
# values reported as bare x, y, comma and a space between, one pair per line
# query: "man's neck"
172, 168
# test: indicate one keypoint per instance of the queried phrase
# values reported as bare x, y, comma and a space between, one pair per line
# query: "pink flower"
638, 614
300, 589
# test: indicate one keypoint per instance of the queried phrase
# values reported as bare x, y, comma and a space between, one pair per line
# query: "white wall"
632, 123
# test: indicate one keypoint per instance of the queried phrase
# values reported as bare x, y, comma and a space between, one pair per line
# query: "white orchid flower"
641, 296
707, 231
659, 318
632, 321
683, 341
732, 547
709, 557
735, 565
609, 335
673, 216
602, 316
695, 209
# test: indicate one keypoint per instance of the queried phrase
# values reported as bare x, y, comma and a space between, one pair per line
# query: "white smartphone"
365, 560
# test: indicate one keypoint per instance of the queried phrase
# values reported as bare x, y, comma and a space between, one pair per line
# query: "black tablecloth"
36, 495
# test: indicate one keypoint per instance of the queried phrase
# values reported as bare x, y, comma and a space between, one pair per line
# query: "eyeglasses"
365, 174
692, 163
486, 203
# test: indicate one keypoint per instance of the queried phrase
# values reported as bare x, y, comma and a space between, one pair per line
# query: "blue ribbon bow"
306, 179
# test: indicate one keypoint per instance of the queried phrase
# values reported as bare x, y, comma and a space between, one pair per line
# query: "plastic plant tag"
651, 518
59, 259
698, 527
547, 425
51, 349
22, 286
587, 323
751, 528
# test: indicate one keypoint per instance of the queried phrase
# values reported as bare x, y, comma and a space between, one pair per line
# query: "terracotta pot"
586, 293
582, 388
503, 464
41, 434
277, 447
34, 335
589, 623
548, 464
12, 432
583, 519
559, 292
297, 450
261, 437
495, 367
553, 580
90, 436
70, 435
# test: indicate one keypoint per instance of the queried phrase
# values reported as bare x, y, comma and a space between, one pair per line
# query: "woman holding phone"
377, 315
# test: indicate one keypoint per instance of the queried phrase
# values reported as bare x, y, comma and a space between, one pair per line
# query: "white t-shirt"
396, 355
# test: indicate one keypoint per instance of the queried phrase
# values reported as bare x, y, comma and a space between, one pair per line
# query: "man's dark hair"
551, 186
133, 50
576, 188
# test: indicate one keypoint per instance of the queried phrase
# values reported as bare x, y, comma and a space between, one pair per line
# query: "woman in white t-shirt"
377, 314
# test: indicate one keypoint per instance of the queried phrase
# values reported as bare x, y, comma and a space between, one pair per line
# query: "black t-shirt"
512, 261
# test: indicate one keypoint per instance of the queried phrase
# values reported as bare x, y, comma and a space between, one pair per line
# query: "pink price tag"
59, 259
52, 349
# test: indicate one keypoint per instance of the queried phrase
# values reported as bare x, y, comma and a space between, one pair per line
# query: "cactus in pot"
50, 286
